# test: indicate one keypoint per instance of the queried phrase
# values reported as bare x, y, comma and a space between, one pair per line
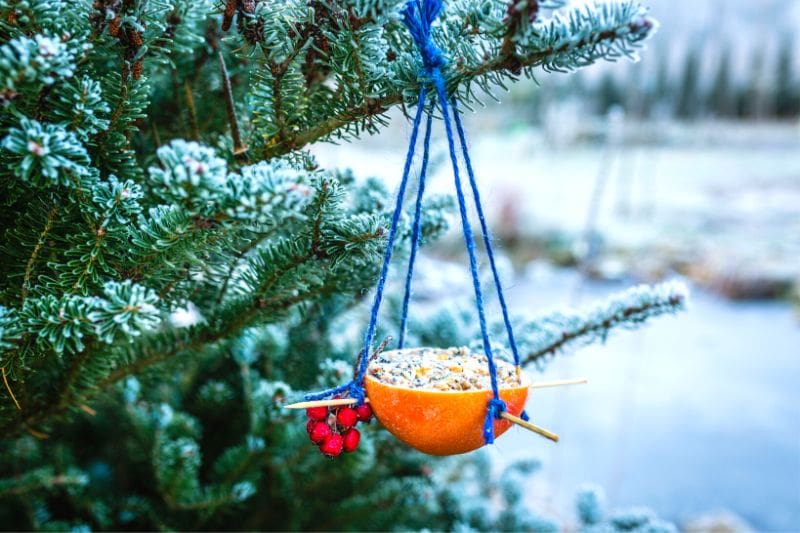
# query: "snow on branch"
544, 336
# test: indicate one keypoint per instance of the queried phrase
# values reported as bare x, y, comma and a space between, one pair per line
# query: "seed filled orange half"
440, 422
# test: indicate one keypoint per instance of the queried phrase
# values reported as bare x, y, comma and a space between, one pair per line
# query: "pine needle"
8, 387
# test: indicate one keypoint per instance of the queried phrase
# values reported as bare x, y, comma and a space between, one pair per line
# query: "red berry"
332, 446
320, 432
317, 413
364, 412
347, 417
351, 438
310, 425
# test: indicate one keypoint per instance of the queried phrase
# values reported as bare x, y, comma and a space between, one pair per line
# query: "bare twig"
187, 90
239, 149
8, 387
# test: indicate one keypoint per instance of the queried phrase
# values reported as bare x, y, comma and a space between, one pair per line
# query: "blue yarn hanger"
418, 16
416, 232
355, 387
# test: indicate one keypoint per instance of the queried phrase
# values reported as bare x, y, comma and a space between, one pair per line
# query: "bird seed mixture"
450, 369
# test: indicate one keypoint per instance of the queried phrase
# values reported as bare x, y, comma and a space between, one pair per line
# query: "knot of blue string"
418, 16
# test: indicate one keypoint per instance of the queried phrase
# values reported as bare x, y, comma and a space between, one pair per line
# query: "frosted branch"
544, 336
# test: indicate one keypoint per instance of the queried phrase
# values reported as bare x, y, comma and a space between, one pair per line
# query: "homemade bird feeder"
446, 421
437, 422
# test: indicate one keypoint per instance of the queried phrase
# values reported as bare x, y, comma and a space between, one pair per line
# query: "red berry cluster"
334, 429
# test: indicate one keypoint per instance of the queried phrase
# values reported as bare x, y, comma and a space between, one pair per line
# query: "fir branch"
325, 128
562, 43
42, 478
100, 233
117, 113
254, 243
544, 336
26, 283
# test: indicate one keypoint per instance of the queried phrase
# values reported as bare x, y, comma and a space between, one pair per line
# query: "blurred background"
683, 165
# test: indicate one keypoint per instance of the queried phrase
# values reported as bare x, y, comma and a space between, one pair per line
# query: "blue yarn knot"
356, 392
432, 56
494, 409
418, 17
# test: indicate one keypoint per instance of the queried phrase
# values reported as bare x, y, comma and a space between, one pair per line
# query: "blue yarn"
485, 230
418, 17
356, 386
496, 406
473, 262
416, 232
327, 392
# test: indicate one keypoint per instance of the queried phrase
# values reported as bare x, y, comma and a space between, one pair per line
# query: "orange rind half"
440, 422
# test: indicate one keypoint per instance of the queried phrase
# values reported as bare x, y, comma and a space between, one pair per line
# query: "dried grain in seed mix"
450, 369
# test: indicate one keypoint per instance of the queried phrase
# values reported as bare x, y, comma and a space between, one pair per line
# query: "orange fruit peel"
440, 422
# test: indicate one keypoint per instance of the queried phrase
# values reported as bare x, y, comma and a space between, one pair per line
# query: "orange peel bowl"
440, 422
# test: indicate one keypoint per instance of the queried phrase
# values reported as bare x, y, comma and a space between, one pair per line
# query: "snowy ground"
693, 413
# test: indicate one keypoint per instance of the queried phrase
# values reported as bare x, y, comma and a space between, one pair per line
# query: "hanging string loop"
418, 16
355, 388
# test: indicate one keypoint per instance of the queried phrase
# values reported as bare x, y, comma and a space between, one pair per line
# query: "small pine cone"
227, 16
135, 38
324, 45
113, 26
137, 69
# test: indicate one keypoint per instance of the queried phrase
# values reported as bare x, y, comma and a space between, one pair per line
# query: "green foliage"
45, 153
590, 503
175, 267
32, 62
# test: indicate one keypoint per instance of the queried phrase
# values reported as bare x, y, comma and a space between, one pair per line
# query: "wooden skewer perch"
351, 401
559, 383
532, 427
323, 403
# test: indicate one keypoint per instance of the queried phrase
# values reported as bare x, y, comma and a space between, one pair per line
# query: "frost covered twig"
549, 334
